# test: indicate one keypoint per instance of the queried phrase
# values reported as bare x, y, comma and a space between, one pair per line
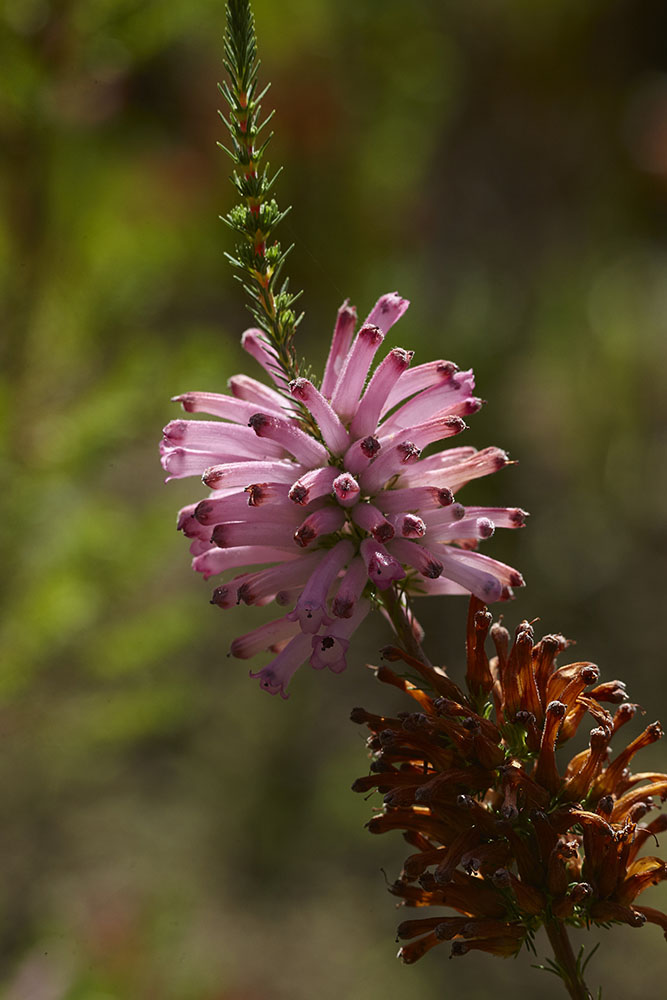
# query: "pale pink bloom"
340, 343
408, 525
346, 490
330, 647
311, 608
382, 568
350, 589
275, 677
266, 637
320, 496
355, 368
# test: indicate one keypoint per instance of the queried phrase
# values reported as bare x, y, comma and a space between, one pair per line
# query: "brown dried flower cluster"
502, 833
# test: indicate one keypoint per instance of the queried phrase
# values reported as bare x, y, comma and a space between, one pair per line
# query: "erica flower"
503, 832
326, 490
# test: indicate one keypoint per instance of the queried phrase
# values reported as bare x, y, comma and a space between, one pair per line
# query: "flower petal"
310, 609
418, 556
354, 371
268, 500
340, 345
359, 454
429, 402
218, 560
283, 432
387, 310
330, 648
219, 439
321, 522
391, 461
484, 577
256, 344
226, 407
263, 583
455, 468
335, 436
246, 646
382, 568
313, 484
372, 520
384, 378
416, 499
351, 588
418, 379
249, 389
244, 474
275, 677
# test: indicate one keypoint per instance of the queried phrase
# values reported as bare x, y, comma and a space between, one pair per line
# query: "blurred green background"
169, 832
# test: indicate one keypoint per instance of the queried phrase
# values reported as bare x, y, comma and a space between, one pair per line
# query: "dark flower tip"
370, 446
304, 535
384, 532
447, 368
409, 452
590, 674
257, 494
298, 388
187, 401
372, 333
298, 493
258, 422
219, 595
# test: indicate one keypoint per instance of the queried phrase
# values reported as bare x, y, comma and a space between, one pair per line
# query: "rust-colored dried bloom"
503, 832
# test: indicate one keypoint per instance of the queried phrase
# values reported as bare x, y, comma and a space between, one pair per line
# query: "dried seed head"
506, 829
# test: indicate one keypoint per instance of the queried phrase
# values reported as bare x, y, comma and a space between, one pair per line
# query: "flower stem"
258, 256
401, 617
562, 949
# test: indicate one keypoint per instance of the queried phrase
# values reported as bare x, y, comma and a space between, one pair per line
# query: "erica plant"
324, 481
318, 499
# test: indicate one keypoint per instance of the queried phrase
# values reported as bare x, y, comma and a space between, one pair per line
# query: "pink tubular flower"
320, 497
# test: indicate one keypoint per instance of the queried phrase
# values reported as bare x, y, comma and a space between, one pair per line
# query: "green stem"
562, 949
258, 256
402, 621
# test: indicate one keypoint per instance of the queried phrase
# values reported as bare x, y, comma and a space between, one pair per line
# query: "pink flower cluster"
328, 487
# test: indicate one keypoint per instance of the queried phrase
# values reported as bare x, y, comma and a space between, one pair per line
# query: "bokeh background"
169, 832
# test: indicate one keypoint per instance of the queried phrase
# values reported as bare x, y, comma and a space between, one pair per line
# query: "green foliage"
557, 969
259, 256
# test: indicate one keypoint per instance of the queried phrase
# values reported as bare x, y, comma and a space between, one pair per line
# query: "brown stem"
402, 621
560, 942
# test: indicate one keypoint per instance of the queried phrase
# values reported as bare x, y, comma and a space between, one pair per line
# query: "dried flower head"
328, 487
504, 833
